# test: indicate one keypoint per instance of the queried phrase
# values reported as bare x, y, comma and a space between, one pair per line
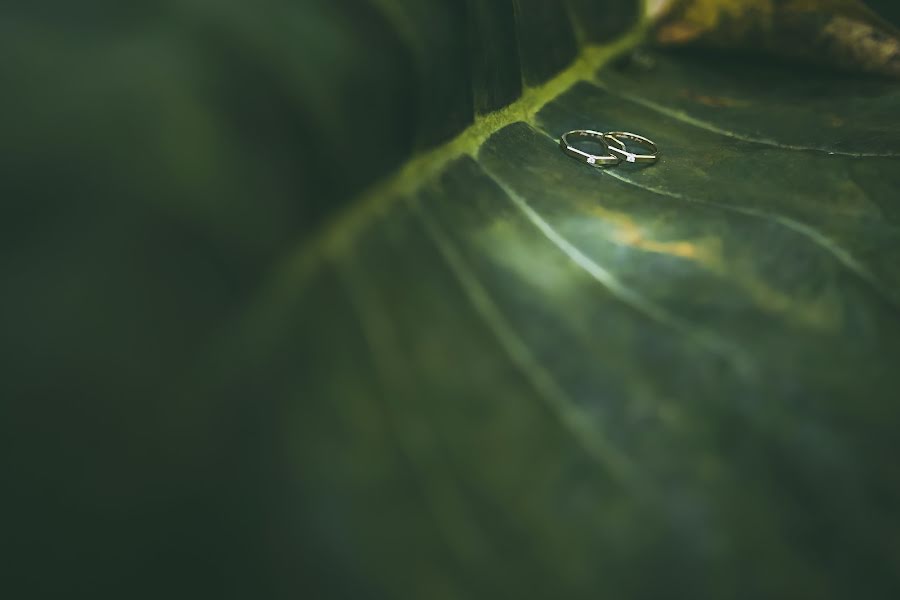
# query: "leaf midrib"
338, 234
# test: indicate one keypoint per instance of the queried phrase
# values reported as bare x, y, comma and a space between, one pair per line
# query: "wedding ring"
591, 159
617, 147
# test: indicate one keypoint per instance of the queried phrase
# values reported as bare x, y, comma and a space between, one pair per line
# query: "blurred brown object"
839, 33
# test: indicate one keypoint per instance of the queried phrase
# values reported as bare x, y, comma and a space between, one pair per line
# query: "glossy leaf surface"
577, 377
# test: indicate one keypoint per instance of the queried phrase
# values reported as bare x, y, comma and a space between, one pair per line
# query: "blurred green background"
235, 365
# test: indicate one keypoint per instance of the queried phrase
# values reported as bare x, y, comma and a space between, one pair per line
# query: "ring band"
591, 159
618, 147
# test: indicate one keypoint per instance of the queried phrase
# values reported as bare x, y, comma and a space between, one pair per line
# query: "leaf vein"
741, 363
815, 236
572, 417
707, 126
445, 502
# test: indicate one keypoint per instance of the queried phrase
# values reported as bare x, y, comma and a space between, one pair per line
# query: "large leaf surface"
546, 380
497, 372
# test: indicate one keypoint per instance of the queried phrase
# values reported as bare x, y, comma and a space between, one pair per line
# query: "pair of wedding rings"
616, 150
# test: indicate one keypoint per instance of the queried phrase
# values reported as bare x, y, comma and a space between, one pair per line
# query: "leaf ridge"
707, 126
575, 420
815, 236
630, 297
812, 234
447, 505
337, 236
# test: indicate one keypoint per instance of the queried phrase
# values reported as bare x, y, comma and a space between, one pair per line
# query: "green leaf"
319, 306
547, 380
